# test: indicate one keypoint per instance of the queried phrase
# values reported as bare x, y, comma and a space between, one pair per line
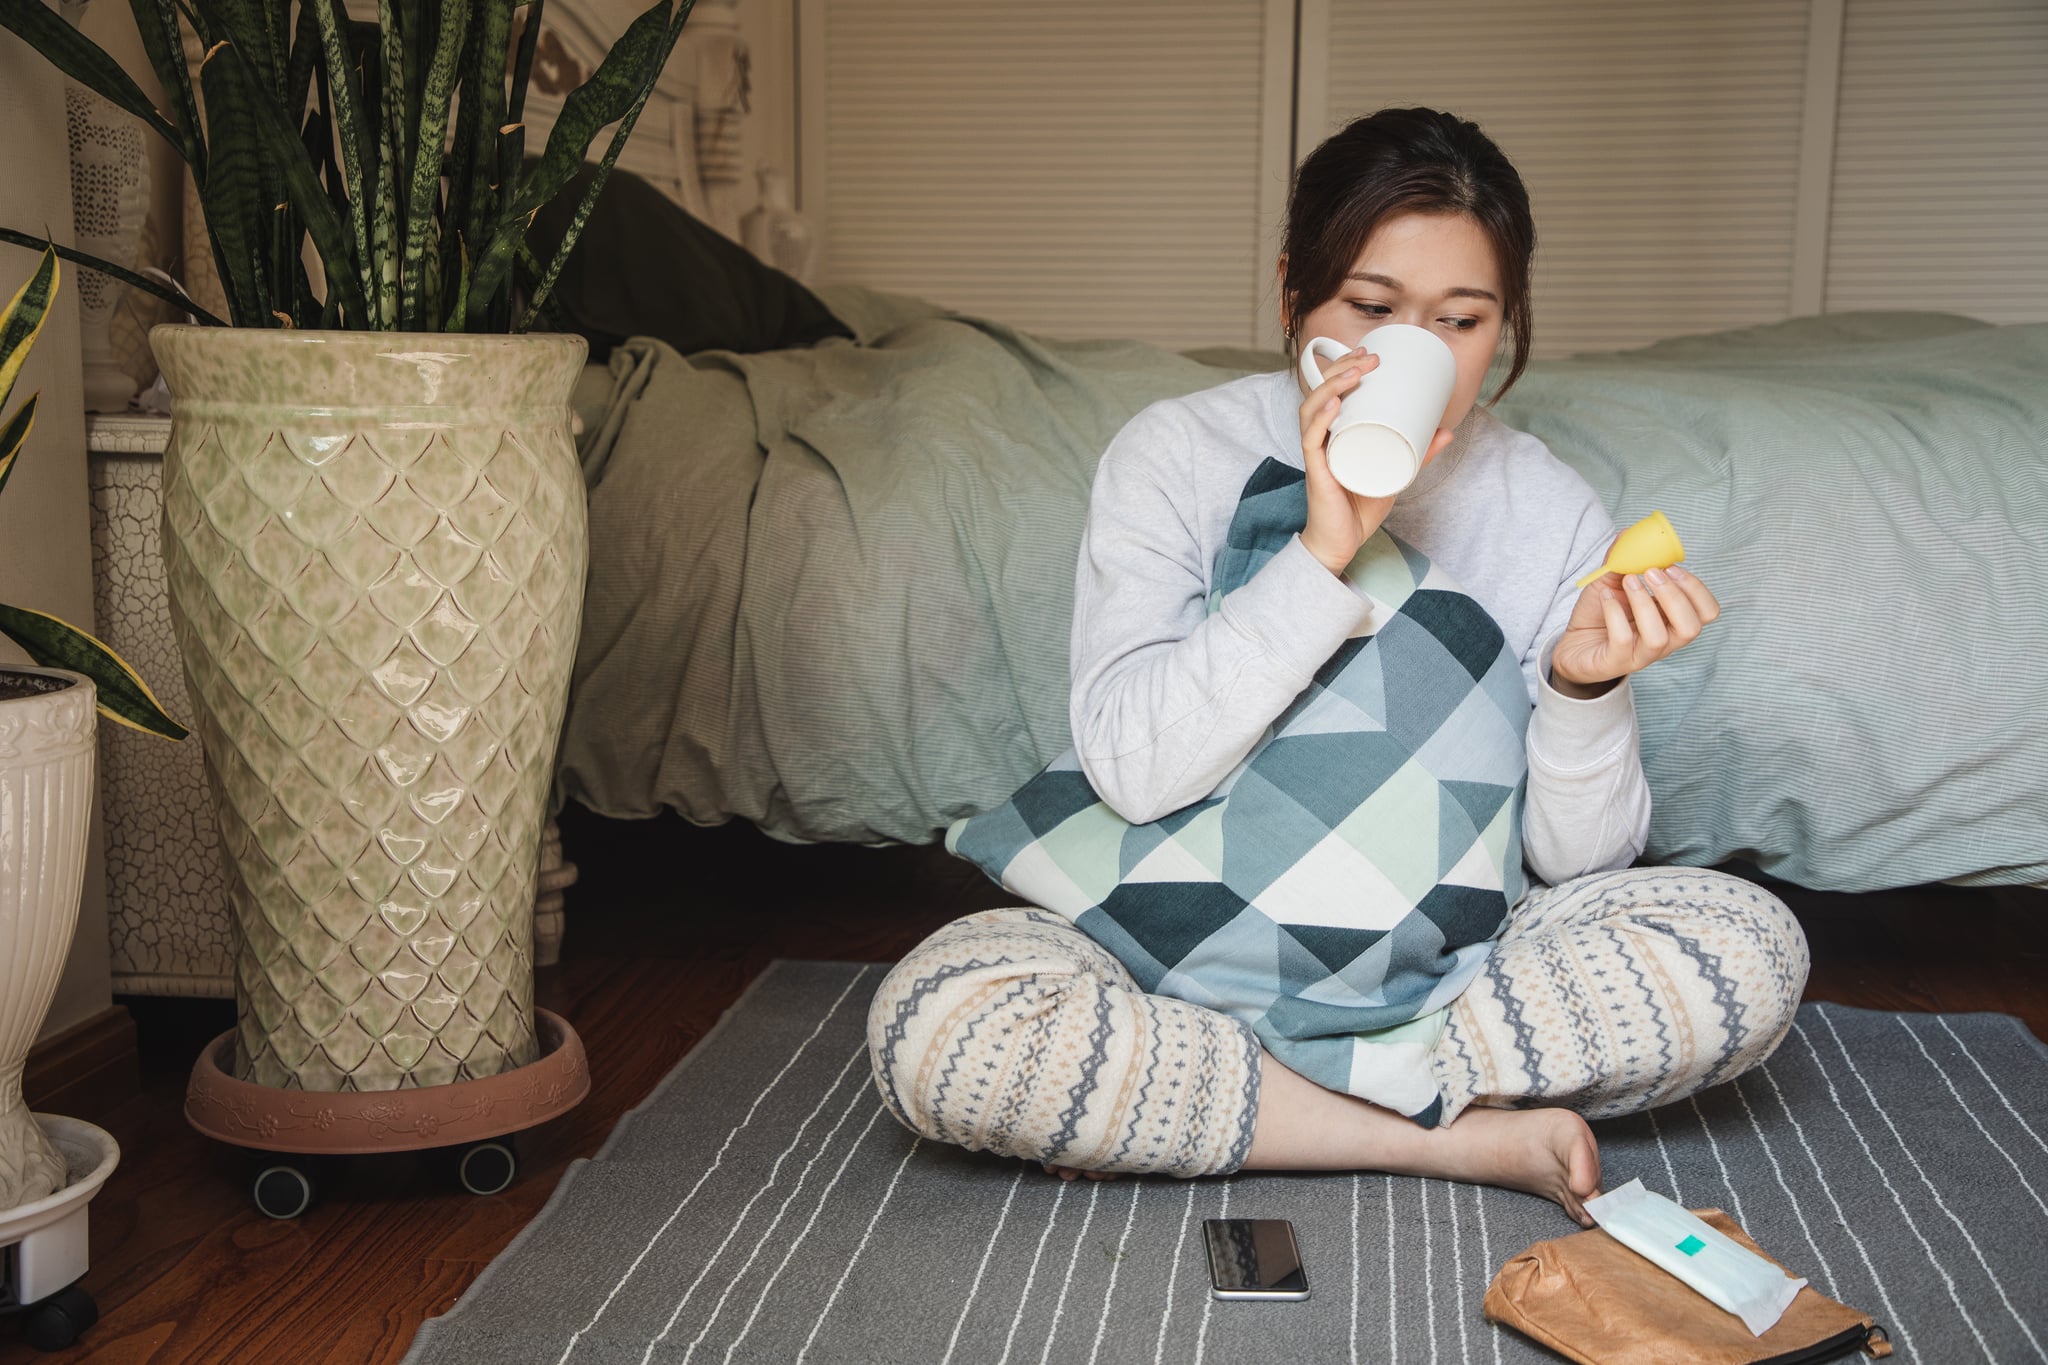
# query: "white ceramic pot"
46, 775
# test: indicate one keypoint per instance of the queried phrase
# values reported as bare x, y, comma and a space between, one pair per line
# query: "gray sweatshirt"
1169, 698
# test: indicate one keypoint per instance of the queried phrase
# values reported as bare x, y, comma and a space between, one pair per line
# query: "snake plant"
396, 146
123, 695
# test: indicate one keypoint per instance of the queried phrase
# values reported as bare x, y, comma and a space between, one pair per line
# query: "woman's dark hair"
1405, 161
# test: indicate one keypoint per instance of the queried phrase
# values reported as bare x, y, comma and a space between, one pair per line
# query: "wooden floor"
668, 925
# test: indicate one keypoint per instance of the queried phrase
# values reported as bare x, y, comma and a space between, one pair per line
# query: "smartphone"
1254, 1258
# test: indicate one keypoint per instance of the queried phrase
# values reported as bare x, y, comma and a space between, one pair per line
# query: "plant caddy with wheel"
375, 542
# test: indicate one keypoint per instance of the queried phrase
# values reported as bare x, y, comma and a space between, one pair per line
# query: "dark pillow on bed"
644, 266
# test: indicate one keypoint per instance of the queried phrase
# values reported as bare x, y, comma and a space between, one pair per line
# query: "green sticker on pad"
1691, 1246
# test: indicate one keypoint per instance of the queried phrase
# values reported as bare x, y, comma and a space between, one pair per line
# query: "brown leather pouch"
1591, 1299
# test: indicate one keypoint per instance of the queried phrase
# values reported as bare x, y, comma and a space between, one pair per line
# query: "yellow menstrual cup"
1649, 544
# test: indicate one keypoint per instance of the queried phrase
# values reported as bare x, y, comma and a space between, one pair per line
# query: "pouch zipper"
1851, 1338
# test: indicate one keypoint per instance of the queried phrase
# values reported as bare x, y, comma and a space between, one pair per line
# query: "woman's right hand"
1339, 520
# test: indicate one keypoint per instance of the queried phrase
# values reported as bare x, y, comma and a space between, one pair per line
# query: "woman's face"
1433, 270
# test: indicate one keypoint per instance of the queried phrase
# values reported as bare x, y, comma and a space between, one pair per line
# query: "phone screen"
1254, 1258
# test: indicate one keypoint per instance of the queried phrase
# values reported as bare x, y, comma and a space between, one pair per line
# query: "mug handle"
1329, 348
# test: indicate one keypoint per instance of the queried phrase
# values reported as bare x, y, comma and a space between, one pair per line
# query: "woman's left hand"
1622, 624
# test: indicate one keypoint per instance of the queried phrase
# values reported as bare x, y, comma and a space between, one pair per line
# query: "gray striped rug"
761, 1206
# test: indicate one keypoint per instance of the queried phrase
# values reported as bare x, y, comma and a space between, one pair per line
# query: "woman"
1341, 862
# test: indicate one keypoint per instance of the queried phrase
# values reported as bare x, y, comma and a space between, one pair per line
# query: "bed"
833, 539
830, 583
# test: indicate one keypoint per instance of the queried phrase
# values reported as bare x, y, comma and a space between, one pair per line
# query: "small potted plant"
47, 727
374, 522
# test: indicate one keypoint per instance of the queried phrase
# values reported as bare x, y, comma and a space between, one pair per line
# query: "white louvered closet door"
1941, 159
1074, 167
1660, 141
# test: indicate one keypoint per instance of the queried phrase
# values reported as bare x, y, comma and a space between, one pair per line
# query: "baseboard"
87, 1069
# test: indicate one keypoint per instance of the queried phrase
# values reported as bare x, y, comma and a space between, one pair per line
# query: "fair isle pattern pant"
1011, 1031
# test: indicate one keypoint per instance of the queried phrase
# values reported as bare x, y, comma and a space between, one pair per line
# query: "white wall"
45, 514
1693, 166
1940, 185
1070, 167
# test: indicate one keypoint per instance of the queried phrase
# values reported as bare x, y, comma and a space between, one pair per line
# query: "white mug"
1384, 426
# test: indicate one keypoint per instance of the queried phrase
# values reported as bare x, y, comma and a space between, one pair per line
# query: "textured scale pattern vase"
375, 546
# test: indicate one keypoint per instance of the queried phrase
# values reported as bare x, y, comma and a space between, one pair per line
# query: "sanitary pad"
1729, 1275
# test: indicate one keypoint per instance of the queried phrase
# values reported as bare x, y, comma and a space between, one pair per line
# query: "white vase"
46, 775
774, 231
109, 204
109, 201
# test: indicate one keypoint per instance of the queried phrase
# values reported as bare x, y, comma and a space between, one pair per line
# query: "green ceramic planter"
375, 545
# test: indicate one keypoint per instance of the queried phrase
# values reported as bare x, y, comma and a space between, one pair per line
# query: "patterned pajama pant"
1011, 1031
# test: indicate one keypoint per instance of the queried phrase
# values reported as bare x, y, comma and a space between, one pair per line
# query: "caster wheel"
282, 1191
487, 1168
59, 1320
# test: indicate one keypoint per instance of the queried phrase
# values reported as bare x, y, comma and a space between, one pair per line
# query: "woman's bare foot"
1303, 1127
1547, 1152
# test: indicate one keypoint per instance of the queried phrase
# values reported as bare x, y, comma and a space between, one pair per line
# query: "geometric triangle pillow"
1345, 882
